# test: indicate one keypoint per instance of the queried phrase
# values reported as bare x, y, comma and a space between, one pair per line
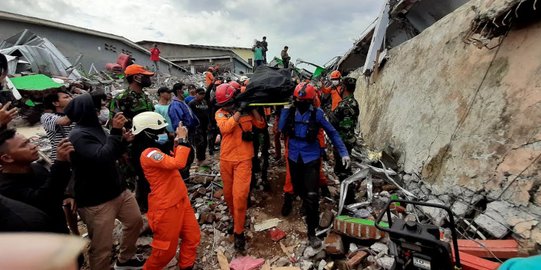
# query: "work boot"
288, 204
240, 242
314, 241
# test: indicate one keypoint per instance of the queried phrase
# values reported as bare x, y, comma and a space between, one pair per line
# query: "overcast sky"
315, 31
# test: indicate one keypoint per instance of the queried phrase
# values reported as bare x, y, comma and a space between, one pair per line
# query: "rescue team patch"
220, 115
157, 156
154, 154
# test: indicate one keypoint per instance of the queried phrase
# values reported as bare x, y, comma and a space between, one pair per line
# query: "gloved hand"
346, 161
243, 107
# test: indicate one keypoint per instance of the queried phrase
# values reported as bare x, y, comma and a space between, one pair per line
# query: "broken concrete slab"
437, 215
267, 224
379, 248
490, 222
385, 262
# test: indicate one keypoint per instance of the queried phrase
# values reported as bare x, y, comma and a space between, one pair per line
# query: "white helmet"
144, 120
243, 78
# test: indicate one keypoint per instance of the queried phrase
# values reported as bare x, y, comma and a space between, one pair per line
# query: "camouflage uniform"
131, 103
344, 119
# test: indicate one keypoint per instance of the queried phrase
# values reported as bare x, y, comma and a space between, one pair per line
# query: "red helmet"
224, 93
336, 75
235, 84
305, 91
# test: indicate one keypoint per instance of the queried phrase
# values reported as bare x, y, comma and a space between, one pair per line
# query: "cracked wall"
461, 116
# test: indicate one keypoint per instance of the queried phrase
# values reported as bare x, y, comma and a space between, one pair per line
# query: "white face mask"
335, 82
103, 116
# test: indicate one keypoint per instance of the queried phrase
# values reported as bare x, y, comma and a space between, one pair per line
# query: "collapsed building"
86, 49
454, 98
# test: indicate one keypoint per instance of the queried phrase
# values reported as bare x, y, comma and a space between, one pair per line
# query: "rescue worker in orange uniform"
170, 214
209, 76
236, 155
335, 89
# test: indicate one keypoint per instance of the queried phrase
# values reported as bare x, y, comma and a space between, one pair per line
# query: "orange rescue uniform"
335, 95
236, 163
170, 214
209, 78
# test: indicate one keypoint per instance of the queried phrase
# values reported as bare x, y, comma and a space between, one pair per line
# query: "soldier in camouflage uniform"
344, 119
132, 102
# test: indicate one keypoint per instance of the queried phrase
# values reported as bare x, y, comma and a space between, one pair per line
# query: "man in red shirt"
155, 56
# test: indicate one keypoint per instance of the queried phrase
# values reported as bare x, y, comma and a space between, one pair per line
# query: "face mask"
302, 106
104, 115
162, 138
335, 82
145, 81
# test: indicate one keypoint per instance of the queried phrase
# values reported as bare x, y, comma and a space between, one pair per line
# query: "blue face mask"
162, 138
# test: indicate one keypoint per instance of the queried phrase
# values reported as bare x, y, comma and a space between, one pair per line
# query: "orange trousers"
168, 225
288, 186
236, 176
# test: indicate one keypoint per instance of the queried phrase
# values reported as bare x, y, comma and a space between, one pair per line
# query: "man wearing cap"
133, 101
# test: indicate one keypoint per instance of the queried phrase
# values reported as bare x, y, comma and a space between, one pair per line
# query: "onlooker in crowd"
99, 192
7, 114
265, 46
191, 93
133, 100
200, 108
285, 57
301, 124
31, 183
179, 111
3, 69
56, 124
155, 56
236, 153
258, 55
165, 96
170, 213
16, 216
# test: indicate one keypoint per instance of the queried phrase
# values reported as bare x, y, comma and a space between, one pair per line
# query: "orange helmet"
235, 85
305, 91
335, 75
224, 93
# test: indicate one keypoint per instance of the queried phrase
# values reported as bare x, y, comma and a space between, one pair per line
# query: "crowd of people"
99, 144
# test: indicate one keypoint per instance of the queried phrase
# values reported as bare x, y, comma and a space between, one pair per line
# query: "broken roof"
40, 53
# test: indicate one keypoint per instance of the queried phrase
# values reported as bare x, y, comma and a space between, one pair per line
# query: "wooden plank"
471, 262
502, 249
